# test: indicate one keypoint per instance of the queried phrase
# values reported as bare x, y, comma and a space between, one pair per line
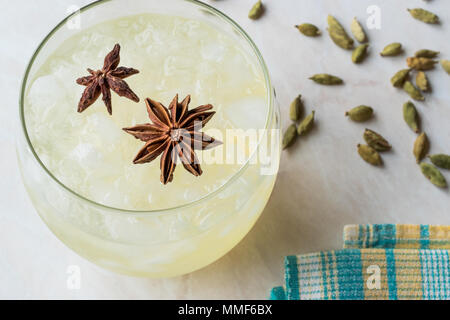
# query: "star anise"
174, 133
107, 79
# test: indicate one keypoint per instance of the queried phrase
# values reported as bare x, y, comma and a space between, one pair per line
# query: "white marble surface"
322, 184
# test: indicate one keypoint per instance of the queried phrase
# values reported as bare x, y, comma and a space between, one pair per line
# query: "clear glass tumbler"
174, 240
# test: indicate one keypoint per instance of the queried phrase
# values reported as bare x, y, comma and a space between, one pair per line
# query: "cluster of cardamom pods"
422, 61
375, 144
295, 130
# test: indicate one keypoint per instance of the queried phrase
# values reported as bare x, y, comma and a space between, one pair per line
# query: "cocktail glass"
175, 239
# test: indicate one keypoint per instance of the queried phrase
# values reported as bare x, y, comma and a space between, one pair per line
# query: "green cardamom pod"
425, 53
289, 136
308, 29
421, 147
256, 11
306, 124
360, 53
393, 49
369, 154
420, 63
326, 79
422, 81
338, 34
296, 108
400, 77
441, 160
360, 114
412, 91
446, 65
424, 15
376, 141
411, 116
358, 31
433, 174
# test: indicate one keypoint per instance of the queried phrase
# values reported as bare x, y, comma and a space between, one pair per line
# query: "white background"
322, 185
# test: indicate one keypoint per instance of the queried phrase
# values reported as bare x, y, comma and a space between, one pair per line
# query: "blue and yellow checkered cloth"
401, 236
386, 262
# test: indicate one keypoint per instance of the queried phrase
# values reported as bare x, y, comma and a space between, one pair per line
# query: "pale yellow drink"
143, 232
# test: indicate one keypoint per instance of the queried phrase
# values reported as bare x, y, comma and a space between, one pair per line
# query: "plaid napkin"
379, 268
401, 236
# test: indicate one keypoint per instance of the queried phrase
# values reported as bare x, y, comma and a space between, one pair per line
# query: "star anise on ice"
174, 133
107, 79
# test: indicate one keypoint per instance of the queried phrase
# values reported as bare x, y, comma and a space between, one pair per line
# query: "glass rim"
224, 17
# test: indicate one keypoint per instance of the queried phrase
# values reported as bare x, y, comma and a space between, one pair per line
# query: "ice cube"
100, 122
190, 195
87, 155
142, 38
45, 94
214, 51
179, 65
63, 70
105, 193
69, 172
182, 228
195, 30
248, 113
